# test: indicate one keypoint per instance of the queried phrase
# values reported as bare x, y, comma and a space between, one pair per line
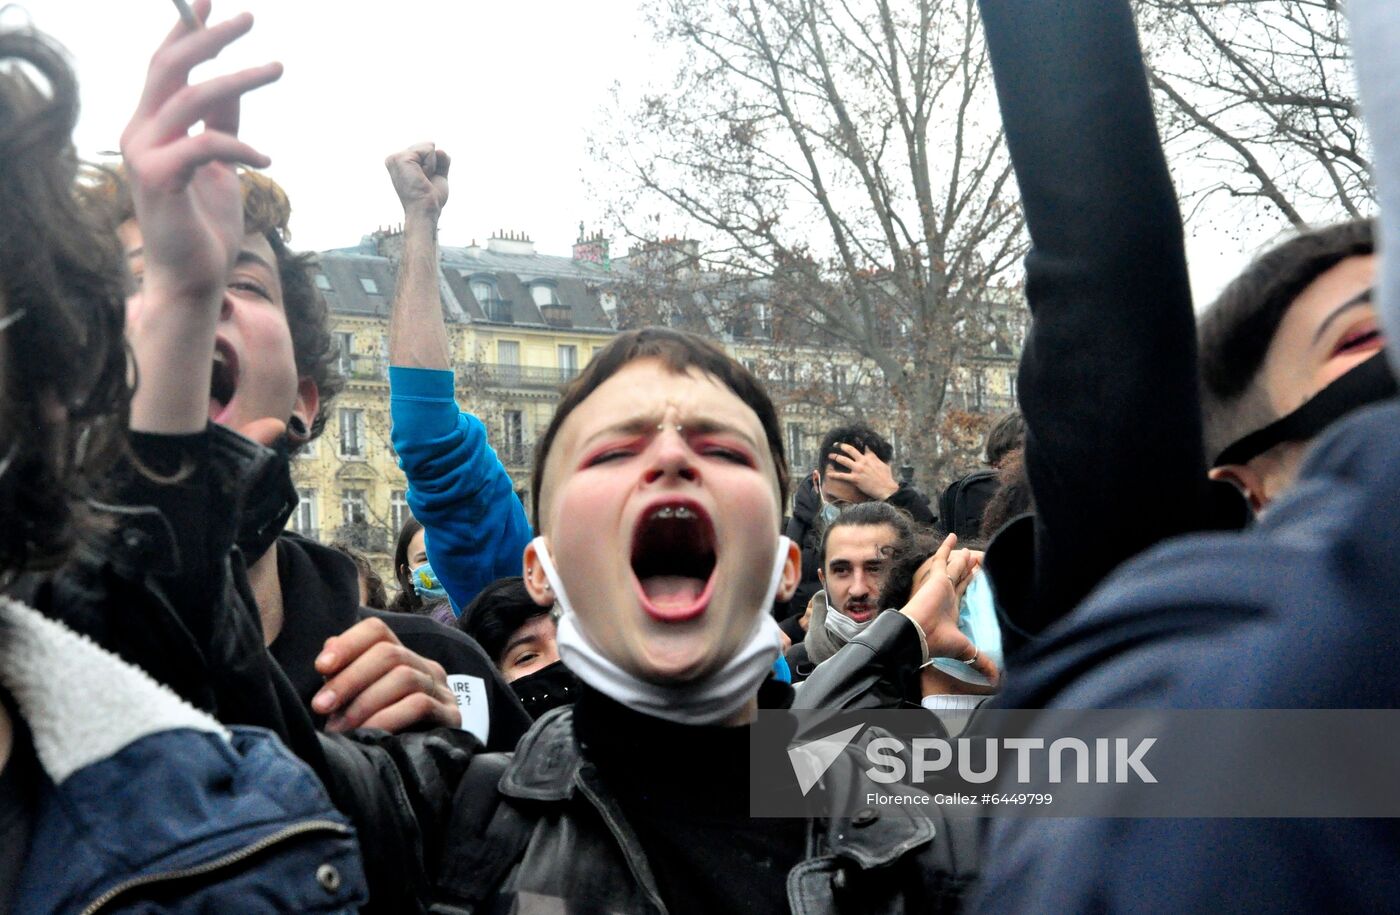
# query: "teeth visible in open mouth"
681, 513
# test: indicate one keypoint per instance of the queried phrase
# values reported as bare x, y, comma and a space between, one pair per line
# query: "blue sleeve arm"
476, 529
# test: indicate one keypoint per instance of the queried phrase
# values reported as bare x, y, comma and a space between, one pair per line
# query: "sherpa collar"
80, 702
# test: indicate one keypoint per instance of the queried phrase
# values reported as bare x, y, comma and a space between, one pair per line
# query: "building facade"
520, 325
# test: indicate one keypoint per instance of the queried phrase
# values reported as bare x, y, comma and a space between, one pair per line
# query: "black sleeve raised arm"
1108, 379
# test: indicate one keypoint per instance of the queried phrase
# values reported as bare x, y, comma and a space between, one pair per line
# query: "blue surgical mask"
977, 619
830, 512
426, 584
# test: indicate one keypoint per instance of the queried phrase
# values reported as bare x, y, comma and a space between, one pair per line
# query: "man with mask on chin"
856, 550
658, 488
853, 468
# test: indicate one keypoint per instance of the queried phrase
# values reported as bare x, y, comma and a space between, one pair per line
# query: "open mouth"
1362, 338
860, 613
673, 560
223, 381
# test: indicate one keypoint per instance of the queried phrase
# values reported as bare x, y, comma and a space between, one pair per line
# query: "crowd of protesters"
548, 708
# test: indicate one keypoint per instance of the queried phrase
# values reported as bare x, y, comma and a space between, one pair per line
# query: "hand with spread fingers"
373, 681
864, 470
189, 218
939, 585
184, 185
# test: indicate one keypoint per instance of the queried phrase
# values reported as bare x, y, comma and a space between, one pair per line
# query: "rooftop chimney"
503, 242
592, 249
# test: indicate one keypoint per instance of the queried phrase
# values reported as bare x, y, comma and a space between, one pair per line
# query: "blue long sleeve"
476, 529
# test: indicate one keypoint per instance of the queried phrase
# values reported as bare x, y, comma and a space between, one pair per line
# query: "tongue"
672, 592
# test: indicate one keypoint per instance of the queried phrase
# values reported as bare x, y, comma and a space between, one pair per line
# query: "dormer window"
369, 285
323, 282
484, 291
544, 295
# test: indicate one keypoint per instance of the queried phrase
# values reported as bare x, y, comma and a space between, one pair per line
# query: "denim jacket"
145, 800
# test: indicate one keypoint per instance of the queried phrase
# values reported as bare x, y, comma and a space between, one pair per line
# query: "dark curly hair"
266, 211
64, 404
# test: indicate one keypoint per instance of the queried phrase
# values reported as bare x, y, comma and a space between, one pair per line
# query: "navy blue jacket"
1301, 611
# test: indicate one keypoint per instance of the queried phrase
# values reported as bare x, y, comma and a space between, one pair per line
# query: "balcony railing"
516, 454
557, 315
362, 536
361, 367
992, 404
496, 374
498, 310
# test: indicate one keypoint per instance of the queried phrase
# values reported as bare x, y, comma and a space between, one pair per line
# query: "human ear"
536, 581
792, 572
1246, 479
308, 403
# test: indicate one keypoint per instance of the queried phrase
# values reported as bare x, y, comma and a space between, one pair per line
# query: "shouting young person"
658, 491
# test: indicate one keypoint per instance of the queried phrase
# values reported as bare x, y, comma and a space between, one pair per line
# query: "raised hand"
939, 585
864, 470
189, 219
419, 174
184, 185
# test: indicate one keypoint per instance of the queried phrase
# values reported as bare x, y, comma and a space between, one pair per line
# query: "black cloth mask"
1369, 382
270, 498
546, 689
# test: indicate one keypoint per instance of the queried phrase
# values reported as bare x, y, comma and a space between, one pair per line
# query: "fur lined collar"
82, 703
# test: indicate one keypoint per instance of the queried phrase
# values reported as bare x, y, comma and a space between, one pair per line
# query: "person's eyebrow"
246, 257
135, 253
518, 639
695, 425
1362, 298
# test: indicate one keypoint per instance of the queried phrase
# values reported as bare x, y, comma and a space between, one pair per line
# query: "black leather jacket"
555, 836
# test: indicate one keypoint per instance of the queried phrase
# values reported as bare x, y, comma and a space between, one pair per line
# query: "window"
513, 440
323, 282
508, 352
345, 343
484, 292
568, 361
398, 509
795, 442
544, 295
763, 320
310, 450
369, 285
352, 433
352, 506
304, 518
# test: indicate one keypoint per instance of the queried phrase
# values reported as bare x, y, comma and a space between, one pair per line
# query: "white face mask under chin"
842, 628
709, 700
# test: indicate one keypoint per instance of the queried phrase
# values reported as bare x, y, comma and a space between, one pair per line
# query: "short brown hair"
679, 352
266, 212
63, 307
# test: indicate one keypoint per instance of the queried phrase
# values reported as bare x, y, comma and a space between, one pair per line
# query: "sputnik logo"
811, 760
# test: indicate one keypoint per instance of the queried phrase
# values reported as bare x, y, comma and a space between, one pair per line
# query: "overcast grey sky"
510, 89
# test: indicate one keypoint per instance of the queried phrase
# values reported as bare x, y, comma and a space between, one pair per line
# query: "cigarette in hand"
187, 15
